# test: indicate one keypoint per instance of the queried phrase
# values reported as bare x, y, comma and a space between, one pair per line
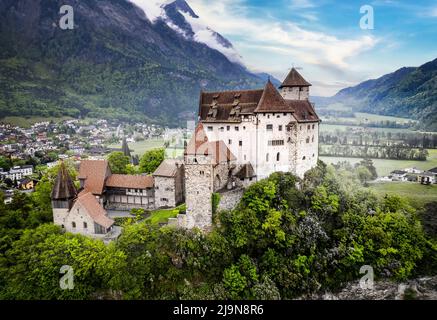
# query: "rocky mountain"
124, 59
407, 92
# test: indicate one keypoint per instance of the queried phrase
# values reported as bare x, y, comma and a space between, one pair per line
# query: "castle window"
62, 226
313, 155
314, 126
268, 116
267, 157
228, 128
73, 224
309, 127
312, 140
240, 143
285, 114
85, 225
222, 129
164, 199
308, 140
244, 128
300, 128
237, 128
304, 158
278, 116
269, 127
276, 142
210, 128
202, 173
280, 128
229, 141
278, 156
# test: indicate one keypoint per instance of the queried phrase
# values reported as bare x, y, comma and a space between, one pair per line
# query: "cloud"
278, 37
301, 4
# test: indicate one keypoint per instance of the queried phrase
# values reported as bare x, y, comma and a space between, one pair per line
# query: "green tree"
151, 160
118, 162
5, 163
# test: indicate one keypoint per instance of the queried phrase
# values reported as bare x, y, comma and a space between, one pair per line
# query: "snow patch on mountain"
200, 32
204, 34
152, 8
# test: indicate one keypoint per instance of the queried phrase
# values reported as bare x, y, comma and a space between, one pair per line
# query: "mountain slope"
407, 92
116, 63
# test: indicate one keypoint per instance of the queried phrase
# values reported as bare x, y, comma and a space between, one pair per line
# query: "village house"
79, 212
169, 184
17, 173
428, 177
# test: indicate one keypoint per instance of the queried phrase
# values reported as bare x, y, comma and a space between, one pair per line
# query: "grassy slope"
385, 166
162, 216
29, 121
416, 193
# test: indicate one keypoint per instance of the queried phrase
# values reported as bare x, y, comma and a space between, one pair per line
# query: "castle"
241, 137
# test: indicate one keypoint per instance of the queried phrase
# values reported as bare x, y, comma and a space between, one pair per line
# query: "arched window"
278, 156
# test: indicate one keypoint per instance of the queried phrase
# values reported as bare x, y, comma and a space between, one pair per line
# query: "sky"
324, 37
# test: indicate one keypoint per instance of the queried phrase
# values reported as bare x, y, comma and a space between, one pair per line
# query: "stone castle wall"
230, 199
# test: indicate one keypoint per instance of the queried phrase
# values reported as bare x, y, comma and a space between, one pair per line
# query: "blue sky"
324, 37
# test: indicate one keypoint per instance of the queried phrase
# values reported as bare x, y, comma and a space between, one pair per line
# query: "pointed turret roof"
64, 187
271, 100
294, 79
125, 148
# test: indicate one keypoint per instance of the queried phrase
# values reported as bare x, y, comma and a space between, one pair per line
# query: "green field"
332, 128
385, 166
140, 147
28, 122
376, 117
416, 193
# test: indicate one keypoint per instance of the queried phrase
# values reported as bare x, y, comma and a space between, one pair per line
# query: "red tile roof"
94, 209
269, 99
95, 173
129, 181
302, 110
294, 79
168, 168
246, 100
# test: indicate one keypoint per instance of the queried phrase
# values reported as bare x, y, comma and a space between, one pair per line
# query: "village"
25, 153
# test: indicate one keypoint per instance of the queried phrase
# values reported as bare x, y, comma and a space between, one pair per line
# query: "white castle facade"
244, 136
